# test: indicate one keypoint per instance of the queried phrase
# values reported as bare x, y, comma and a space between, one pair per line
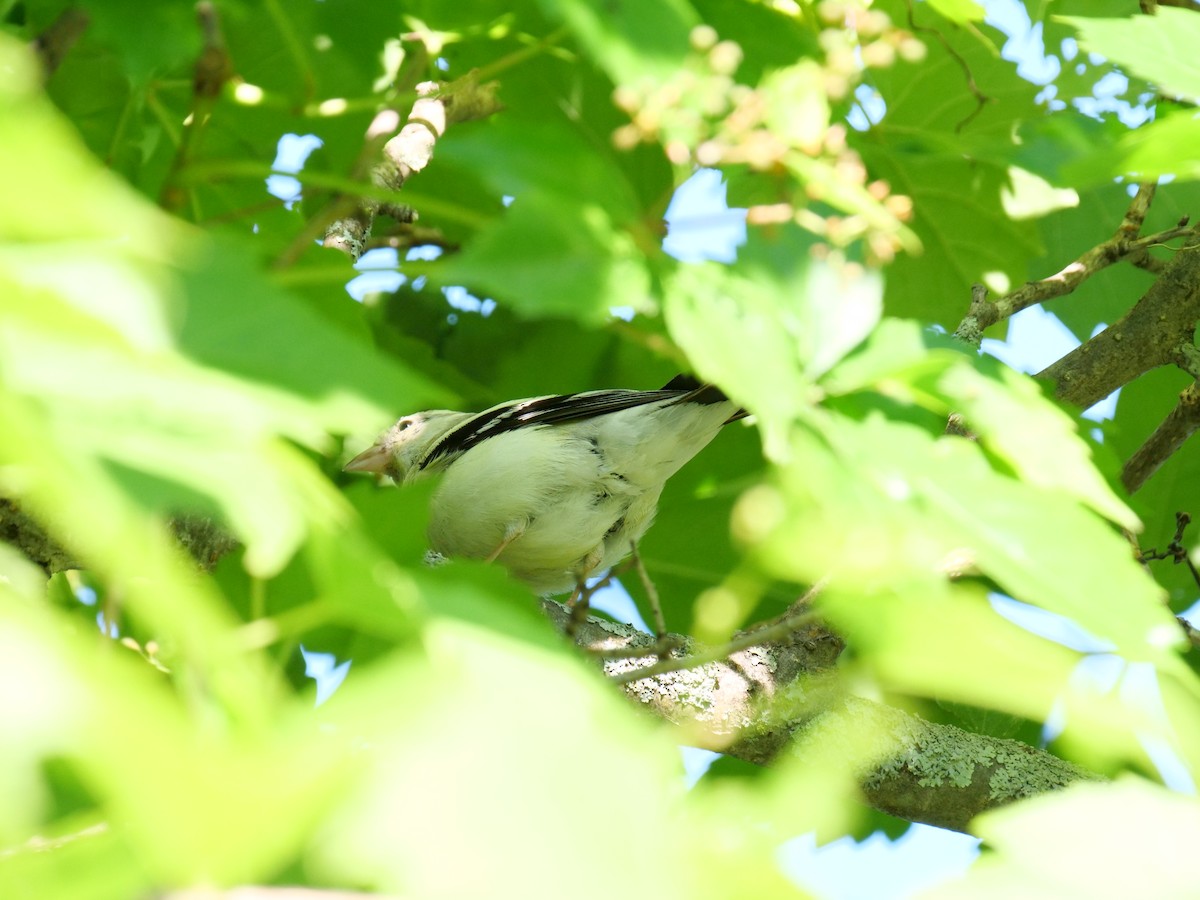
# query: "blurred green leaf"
767, 329
959, 10
493, 698
1091, 840
876, 502
1156, 150
631, 42
915, 637
740, 335
1042, 444
1007, 411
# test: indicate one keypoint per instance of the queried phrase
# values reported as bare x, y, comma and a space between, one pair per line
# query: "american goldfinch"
554, 488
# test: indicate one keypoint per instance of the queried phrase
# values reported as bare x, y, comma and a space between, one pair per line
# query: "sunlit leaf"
1090, 840
632, 41
959, 10
1156, 150
1160, 47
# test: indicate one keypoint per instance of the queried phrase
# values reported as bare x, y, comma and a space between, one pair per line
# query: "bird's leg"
578, 603
511, 533
580, 600
661, 643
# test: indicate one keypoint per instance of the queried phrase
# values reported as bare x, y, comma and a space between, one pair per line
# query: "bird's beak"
373, 459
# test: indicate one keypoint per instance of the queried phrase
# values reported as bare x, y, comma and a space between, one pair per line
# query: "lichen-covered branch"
759, 702
22, 531
938, 774
203, 539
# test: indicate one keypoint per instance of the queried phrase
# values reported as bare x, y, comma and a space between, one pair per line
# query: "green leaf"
550, 258
1031, 197
739, 335
524, 155
1090, 840
1152, 151
922, 505
828, 306
959, 10
1160, 48
632, 42
946, 641
1041, 443
476, 686
769, 327
1007, 410
952, 158
966, 235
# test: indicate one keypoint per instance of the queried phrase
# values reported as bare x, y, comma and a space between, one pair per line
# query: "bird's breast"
561, 497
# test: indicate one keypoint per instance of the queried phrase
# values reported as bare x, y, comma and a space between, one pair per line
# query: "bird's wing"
561, 408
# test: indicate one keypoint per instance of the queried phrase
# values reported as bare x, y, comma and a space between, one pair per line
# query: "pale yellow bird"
556, 489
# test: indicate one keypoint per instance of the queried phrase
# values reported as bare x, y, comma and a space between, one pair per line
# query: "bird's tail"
699, 392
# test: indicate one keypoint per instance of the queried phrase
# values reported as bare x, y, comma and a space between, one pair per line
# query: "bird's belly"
571, 535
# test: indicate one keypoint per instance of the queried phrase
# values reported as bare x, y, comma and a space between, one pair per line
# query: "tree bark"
762, 700
1152, 334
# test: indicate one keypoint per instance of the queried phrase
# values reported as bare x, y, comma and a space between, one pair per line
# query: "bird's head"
401, 451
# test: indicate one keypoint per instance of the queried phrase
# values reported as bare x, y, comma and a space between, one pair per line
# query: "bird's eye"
404, 424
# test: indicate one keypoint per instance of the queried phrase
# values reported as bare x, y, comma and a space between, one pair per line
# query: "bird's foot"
511, 533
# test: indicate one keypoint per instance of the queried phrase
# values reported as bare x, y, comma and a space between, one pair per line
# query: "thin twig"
1177, 553
213, 69
53, 44
981, 310
1099, 257
1139, 207
1124, 245
580, 601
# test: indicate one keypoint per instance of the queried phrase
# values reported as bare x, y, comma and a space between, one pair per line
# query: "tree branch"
53, 44
1124, 245
203, 539
23, 532
213, 68
754, 704
408, 152
1179, 425
941, 775
1148, 336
